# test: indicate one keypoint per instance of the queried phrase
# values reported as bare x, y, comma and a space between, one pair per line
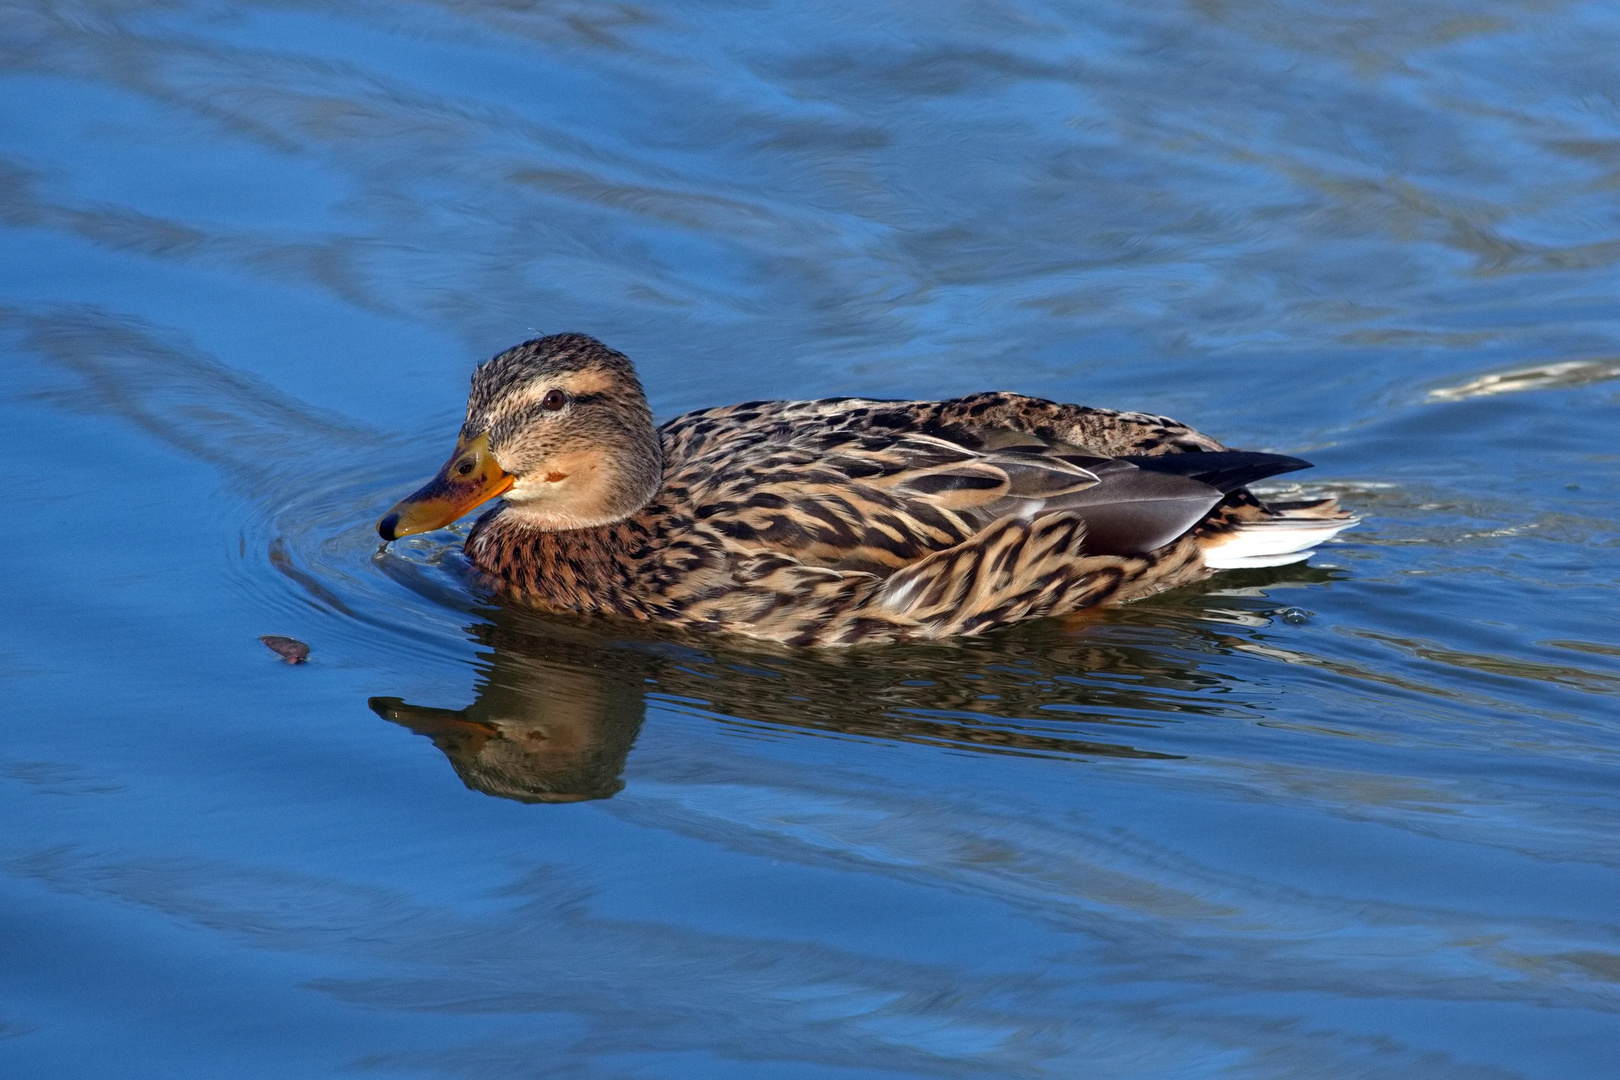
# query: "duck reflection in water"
553, 721
559, 704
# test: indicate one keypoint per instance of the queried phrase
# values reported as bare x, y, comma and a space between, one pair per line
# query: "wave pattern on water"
1347, 820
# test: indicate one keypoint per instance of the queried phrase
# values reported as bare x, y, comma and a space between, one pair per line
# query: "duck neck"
590, 569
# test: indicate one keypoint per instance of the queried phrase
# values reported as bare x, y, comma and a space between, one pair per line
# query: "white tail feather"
1275, 541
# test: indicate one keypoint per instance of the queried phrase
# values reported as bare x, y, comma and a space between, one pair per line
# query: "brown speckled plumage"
843, 520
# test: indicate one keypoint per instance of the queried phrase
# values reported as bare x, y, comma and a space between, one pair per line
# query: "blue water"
1354, 820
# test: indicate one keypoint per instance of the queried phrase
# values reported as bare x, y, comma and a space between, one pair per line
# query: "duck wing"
875, 486
858, 500
1129, 505
1155, 478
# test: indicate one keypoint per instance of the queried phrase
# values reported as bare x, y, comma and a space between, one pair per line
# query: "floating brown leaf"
289, 649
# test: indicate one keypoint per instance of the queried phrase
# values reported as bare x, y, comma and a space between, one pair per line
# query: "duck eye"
554, 400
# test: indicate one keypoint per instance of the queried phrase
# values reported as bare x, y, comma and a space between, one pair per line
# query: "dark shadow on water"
560, 701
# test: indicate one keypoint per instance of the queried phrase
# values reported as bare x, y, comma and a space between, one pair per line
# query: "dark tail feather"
1224, 470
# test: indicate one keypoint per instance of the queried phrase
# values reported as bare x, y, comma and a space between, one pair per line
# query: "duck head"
559, 426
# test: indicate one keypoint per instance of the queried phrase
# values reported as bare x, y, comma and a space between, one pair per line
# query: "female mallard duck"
842, 520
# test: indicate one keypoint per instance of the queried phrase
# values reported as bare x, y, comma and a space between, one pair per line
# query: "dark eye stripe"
535, 412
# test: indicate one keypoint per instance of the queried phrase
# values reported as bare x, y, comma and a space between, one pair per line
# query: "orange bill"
470, 478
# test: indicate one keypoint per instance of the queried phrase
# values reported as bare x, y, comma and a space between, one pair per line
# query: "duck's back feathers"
853, 483
978, 421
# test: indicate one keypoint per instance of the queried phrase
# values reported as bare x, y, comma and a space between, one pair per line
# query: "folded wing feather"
1129, 505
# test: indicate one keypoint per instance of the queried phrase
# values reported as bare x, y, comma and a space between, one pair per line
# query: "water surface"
1354, 819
